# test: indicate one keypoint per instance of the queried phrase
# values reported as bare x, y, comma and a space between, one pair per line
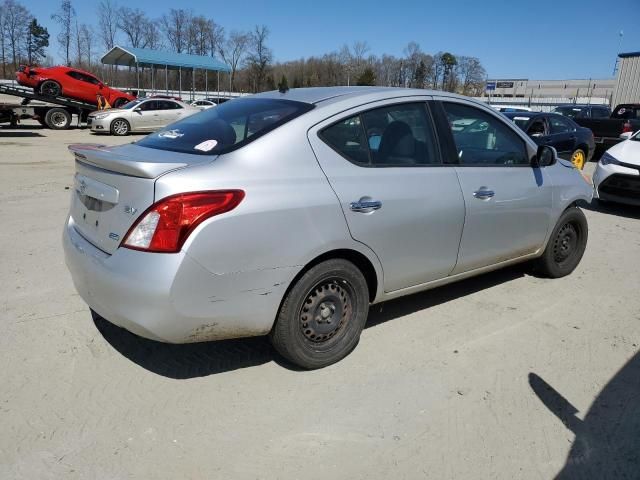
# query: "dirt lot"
504, 376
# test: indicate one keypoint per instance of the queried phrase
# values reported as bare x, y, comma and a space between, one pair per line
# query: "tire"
50, 88
566, 245
579, 158
120, 102
322, 315
120, 127
57, 119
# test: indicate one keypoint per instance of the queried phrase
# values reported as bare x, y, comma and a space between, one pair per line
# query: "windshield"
132, 104
571, 112
226, 127
521, 121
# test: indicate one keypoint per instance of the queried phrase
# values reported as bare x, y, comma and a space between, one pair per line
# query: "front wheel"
120, 127
566, 245
322, 316
579, 158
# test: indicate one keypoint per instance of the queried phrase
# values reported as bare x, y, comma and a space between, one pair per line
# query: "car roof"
524, 114
318, 95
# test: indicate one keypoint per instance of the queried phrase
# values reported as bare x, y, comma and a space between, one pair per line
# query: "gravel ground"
504, 376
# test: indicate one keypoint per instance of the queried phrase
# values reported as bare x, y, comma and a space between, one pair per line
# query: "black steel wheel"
566, 245
322, 315
50, 88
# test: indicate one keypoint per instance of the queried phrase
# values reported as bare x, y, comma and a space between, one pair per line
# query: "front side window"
393, 136
149, 106
230, 126
600, 113
482, 139
558, 125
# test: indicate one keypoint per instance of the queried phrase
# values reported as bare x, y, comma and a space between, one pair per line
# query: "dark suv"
583, 111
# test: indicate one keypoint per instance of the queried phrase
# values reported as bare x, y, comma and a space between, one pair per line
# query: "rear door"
508, 203
562, 135
169, 112
397, 195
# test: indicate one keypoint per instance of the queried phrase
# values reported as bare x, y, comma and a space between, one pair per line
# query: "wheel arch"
359, 259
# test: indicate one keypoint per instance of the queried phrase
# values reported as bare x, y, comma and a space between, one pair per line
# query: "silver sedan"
289, 214
141, 115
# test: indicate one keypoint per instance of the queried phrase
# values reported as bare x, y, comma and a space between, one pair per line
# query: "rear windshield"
227, 127
571, 112
521, 121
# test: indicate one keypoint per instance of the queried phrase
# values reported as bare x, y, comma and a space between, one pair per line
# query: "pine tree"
283, 86
37, 41
367, 78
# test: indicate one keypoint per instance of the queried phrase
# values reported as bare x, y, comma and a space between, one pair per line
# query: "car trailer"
53, 112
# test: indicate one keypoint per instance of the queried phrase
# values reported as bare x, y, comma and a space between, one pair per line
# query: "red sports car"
70, 82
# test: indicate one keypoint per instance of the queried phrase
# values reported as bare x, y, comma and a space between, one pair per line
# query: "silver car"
141, 115
289, 214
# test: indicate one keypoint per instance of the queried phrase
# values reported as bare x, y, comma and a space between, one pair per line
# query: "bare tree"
152, 35
471, 75
107, 22
65, 17
259, 57
133, 24
87, 42
3, 55
233, 51
16, 19
176, 28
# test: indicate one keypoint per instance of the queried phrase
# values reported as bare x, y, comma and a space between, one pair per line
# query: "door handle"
484, 194
365, 206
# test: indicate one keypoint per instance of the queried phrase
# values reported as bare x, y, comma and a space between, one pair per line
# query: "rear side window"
600, 113
393, 136
482, 139
627, 112
557, 125
226, 127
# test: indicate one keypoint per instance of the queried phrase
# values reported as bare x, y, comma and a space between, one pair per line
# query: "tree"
15, 17
133, 23
367, 78
37, 41
448, 63
420, 75
283, 86
107, 22
176, 28
64, 17
260, 56
472, 75
233, 51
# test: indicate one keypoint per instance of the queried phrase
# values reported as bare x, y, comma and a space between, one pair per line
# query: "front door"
508, 203
398, 198
146, 116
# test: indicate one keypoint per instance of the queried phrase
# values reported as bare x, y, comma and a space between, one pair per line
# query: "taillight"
627, 127
166, 225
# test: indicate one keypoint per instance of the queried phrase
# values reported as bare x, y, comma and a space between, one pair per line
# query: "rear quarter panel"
289, 216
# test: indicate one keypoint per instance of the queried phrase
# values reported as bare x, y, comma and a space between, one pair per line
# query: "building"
566, 89
627, 79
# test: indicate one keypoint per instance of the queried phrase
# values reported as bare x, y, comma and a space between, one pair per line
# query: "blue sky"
542, 39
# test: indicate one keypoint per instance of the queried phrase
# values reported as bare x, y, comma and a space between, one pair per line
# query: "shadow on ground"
617, 209
18, 134
607, 441
208, 358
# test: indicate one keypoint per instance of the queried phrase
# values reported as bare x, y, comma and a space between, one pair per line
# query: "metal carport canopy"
143, 57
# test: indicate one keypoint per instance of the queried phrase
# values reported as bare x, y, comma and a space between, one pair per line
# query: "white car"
141, 115
617, 176
203, 104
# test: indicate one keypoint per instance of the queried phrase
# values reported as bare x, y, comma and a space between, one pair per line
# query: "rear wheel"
579, 158
57, 119
120, 127
50, 88
119, 102
322, 316
566, 245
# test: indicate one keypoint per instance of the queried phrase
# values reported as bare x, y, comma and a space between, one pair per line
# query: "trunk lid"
113, 186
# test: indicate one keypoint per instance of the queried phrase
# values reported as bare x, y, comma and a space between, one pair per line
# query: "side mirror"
626, 135
137, 110
545, 157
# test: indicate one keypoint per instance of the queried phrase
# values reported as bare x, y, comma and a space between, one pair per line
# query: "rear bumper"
170, 297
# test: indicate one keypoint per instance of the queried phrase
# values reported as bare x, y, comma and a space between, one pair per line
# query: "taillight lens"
627, 127
166, 225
